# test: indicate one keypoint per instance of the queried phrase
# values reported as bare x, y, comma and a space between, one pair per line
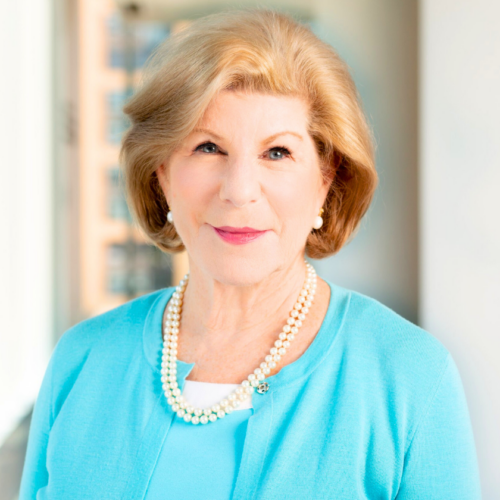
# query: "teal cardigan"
374, 409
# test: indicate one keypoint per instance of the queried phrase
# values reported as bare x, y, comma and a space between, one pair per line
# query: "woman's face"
249, 163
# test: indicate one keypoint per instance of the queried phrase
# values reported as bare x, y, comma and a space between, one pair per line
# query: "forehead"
263, 112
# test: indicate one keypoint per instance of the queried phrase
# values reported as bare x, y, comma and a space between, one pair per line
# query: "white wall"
460, 204
25, 205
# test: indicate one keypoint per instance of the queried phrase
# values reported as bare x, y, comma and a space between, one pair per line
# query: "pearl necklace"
254, 381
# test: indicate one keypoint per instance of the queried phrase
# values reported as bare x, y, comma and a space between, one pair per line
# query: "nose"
240, 183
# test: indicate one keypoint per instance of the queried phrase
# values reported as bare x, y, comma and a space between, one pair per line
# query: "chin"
240, 270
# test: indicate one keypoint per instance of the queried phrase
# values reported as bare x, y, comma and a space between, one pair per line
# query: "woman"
254, 377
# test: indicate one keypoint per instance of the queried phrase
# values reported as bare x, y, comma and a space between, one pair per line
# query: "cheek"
190, 187
293, 198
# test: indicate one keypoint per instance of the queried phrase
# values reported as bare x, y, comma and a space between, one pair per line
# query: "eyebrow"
269, 139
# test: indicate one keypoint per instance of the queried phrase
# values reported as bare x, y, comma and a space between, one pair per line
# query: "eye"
281, 151
207, 147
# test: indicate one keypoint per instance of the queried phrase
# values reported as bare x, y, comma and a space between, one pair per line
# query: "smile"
237, 237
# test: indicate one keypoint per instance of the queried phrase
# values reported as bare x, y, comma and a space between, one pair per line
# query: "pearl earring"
170, 217
318, 221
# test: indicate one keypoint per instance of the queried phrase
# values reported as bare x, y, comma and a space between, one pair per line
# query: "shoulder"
121, 326
388, 351
396, 366
380, 330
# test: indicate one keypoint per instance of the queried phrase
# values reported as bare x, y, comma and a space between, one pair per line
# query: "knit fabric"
374, 409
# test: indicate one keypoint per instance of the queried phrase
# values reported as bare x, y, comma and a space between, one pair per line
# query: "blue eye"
210, 145
282, 150
210, 148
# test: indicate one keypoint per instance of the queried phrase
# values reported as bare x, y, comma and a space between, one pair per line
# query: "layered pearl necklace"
254, 381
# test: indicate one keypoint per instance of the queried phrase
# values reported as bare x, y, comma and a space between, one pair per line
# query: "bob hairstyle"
255, 50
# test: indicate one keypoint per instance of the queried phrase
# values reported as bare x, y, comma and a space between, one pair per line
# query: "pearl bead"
204, 419
195, 420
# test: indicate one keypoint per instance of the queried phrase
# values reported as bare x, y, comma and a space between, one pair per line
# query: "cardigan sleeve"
441, 462
35, 475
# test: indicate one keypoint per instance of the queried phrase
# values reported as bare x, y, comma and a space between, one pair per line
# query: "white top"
206, 394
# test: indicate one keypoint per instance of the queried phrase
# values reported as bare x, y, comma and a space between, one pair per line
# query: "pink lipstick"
238, 235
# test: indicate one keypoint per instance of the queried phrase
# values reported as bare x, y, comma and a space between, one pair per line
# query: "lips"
238, 235
230, 229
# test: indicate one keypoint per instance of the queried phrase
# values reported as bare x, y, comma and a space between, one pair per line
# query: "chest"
312, 440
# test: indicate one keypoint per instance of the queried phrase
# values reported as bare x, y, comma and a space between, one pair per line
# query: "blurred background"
428, 72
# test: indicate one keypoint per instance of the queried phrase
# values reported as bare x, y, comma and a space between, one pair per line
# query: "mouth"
238, 235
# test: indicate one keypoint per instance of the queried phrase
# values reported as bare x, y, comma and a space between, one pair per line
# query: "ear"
327, 183
163, 179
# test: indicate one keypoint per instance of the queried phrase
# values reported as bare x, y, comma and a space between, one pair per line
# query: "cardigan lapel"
161, 415
255, 447
151, 444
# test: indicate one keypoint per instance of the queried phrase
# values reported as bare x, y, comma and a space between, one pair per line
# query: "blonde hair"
256, 50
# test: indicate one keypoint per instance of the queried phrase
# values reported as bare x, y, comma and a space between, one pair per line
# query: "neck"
216, 314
